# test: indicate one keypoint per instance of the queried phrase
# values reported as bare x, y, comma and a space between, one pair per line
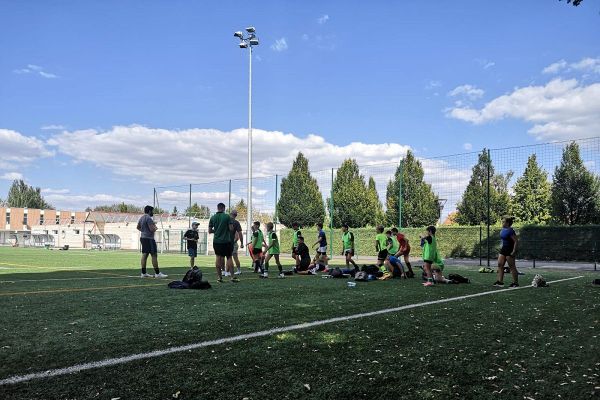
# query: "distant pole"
154, 198
190, 209
331, 218
488, 205
400, 195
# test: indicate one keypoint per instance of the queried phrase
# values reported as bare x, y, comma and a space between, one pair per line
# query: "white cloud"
432, 85
323, 19
279, 45
35, 69
52, 127
469, 91
561, 109
467, 146
17, 149
585, 65
207, 155
555, 67
81, 201
55, 191
489, 64
11, 176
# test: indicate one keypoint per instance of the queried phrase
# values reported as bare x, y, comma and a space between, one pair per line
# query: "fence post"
331, 219
275, 216
190, 209
488, 205
480, 240
400, 195
229, 201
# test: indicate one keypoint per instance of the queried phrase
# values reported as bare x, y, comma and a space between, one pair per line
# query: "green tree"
300, 199
351, 197
531, 199
472, 209
375, 204
198, 211
575, 2
575, 190
419, 203
175, 210
123, 208
22, 195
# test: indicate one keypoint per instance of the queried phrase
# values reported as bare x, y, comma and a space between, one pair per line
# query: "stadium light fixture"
247, 43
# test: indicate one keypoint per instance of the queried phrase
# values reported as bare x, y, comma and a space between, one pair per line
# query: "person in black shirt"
192, 242
303, 254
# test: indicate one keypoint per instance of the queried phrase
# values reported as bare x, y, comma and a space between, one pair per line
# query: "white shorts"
322, 250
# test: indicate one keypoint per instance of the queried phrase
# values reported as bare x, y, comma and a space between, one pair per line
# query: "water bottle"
351, 284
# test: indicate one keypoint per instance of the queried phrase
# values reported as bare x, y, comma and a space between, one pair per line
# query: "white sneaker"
226, 273
160, 275
238, 272
145, 275
282, 275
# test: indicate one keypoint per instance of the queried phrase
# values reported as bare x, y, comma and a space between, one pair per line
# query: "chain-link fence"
471, 189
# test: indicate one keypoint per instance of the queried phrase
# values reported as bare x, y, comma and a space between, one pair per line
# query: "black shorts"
304, 263
256, 252
506, 251
382, 255
148, 246
428, 262
223, 249
351, 252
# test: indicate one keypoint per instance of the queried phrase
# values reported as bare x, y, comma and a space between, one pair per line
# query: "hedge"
558, 243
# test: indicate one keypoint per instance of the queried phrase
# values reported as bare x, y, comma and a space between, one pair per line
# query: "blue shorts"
192, 252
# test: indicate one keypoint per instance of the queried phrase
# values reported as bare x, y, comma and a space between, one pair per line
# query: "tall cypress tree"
531, 199
22, 195
300, 199
575, 190
351, 200
375, 205
419, 203
472, 209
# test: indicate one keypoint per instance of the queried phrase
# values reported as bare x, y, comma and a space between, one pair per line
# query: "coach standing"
221, 224
147, 227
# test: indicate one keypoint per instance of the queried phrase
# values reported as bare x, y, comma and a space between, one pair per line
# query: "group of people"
391, 246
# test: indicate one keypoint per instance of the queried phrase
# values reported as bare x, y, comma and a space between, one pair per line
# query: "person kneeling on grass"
304, 266
395, 267
272, 251
430, 255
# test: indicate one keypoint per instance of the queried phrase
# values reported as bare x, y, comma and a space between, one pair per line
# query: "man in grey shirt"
147, 227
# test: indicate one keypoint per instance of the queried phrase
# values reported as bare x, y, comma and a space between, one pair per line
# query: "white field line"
157, 353
70, 279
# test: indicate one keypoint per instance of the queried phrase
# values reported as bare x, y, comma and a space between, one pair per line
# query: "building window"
72, 219
42, 219
55, 232
8, 218
24, 219
77, 231
57, 219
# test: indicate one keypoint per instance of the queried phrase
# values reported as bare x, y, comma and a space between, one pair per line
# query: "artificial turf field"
63, 308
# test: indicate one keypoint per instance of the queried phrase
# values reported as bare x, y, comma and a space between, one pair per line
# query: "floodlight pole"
248, 42
249, 205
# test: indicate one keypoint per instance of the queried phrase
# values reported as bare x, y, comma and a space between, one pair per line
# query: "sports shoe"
428, 283
238, 272
235, 279
160, 275
226, 273
281, 275
514, 285
263, 276
143, 275
498, 284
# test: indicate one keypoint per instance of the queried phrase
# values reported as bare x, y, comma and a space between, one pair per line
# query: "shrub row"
559, 243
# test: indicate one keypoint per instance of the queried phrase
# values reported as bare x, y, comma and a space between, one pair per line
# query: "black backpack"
458, 278
193, 275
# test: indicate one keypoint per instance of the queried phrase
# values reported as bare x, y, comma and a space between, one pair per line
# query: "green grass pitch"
63, 308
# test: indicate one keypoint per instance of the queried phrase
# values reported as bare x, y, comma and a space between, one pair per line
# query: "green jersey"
220, 223
430, 249
257, 239
272, 240
381, 239
395, 245
295, 238
348, 240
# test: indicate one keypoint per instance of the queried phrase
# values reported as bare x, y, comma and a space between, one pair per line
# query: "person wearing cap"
238, 236
192, 242
147, 227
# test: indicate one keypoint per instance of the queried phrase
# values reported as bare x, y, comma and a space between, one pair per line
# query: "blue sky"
99, 101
